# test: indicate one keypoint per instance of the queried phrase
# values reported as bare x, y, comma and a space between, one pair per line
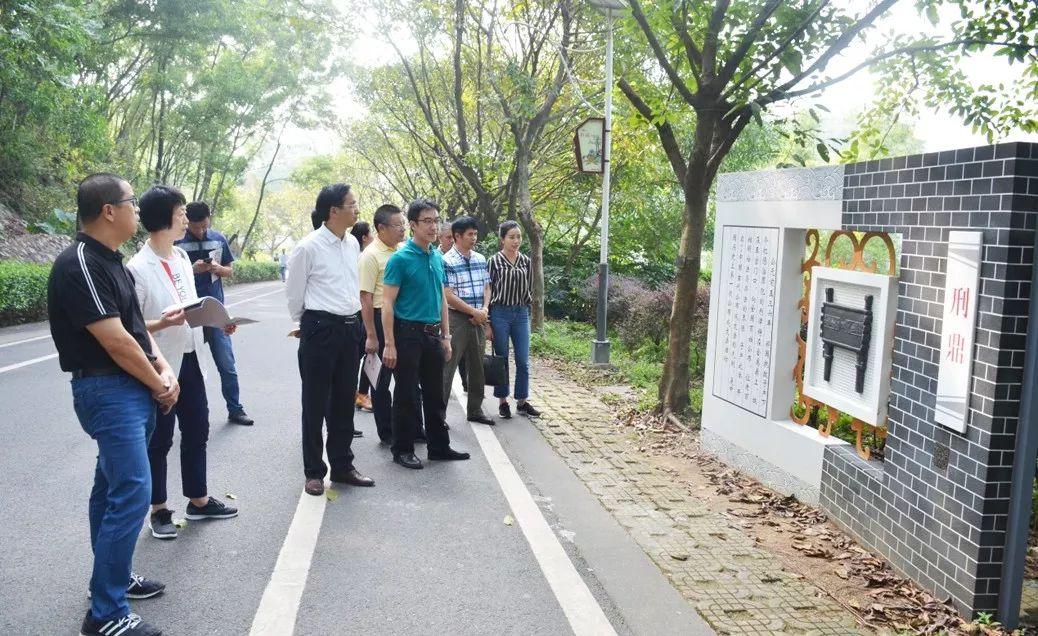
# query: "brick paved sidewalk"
737, 587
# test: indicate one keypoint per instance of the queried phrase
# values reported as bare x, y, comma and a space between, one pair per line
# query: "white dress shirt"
322, 274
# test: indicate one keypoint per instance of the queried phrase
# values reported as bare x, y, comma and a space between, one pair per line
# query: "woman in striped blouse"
510, 315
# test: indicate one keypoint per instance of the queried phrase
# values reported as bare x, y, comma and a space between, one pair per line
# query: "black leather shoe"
483, 419
353, 478
447, 454
408, 461
240, 418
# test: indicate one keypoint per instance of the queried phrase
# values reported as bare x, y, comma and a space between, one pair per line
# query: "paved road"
424, 552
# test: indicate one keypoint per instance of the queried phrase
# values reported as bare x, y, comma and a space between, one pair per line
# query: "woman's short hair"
157, 205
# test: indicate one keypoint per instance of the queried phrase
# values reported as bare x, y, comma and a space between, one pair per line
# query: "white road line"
584, 613
276, 614
19, 365
254, 298
18, 342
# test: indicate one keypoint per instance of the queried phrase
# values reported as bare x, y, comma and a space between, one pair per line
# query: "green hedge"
253, 272
23, 292
23, 287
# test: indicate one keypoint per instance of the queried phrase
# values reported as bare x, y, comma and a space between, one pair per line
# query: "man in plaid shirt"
468, 297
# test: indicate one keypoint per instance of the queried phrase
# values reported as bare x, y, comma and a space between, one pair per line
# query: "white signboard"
957, 329
589, 142
746, 314
861, 392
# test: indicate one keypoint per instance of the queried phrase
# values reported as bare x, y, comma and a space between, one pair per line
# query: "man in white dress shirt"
324, 296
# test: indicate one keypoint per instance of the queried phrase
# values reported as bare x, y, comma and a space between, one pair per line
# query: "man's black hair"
415, 208
359, 230
157, 205
314, 219
463, 224
507, 227
331, 195
383, 214
198, 211
94, 192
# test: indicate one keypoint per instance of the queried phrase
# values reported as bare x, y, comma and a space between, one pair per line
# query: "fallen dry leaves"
890, 603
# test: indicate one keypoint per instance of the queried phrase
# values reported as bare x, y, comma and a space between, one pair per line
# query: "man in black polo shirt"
118, 374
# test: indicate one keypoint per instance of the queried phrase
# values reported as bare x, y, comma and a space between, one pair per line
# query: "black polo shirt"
89, 283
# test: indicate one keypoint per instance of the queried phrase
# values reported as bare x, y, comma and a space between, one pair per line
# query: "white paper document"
207, 312
372, 366
217, 256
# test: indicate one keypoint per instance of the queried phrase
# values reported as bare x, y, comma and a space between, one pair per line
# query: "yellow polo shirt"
371, 268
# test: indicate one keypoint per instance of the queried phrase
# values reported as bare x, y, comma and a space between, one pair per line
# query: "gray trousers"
467, 342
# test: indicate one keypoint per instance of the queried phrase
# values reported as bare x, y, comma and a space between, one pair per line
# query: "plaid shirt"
466, 276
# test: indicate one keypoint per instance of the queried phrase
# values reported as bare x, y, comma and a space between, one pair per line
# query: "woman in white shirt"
163, 277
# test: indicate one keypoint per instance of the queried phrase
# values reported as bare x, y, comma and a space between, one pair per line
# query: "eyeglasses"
347, 206
132, 200
397, 226
430, 220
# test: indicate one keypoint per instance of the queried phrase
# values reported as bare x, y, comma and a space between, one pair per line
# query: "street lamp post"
600, 346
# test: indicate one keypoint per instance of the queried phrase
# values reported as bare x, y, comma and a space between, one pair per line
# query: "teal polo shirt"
419, 275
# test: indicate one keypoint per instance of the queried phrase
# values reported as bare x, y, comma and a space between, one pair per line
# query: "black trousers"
382, 399
192, 412
419, 361
328, 366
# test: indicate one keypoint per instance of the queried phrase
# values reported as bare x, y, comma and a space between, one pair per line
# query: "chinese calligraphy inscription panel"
748, 268
957, 329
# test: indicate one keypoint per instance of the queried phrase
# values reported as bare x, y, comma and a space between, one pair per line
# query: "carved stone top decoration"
797, 184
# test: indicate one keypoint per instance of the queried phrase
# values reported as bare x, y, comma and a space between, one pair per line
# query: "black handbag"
495, 370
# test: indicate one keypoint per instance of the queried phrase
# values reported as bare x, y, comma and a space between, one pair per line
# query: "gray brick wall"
936, 507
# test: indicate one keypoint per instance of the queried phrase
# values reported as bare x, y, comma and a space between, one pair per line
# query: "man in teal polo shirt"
414, 320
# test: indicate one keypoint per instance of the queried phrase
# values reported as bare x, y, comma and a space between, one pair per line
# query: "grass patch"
569, 342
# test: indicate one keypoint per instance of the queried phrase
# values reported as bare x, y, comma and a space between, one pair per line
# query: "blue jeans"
223, 356
118, 412
513, 321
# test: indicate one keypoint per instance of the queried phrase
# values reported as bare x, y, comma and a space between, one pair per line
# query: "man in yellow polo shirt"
389, 229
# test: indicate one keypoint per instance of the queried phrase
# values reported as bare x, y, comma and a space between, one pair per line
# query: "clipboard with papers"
372, 367
207, 312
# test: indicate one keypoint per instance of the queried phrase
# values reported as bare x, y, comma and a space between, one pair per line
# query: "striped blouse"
509, 283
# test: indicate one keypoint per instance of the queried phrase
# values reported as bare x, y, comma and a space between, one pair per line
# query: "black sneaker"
214, 509
129, 625
504, 410
162, 524
527, 409
140, 588
240, 418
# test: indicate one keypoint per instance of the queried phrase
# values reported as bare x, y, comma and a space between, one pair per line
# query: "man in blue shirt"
211, 260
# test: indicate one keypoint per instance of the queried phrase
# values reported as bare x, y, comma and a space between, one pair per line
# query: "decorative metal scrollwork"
807, 406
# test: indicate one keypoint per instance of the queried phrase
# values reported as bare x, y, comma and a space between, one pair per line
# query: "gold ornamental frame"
857, 263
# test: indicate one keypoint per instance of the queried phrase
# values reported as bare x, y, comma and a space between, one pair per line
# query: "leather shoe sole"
353, 478
314, 487
408, 461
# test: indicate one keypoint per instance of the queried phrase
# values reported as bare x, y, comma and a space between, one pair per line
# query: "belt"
346, 320
95, 372
432, 328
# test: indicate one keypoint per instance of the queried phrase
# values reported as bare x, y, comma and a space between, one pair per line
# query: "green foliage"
640, 367
249, 271
59, 222
23, 292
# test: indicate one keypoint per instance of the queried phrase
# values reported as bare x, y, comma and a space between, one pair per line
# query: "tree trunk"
263, 189
534, 234
674, 386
